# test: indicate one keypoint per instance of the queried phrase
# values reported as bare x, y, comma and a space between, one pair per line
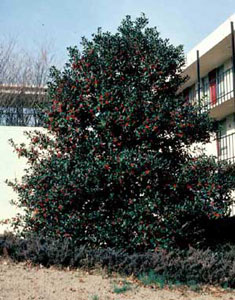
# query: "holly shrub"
114, 168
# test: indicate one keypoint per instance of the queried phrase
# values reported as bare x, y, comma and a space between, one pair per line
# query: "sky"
62, 23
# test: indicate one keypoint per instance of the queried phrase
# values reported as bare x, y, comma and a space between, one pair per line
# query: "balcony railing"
214, 90
21, 105
15, 116
226, 147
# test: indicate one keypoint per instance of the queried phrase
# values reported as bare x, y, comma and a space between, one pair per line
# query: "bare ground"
22, 281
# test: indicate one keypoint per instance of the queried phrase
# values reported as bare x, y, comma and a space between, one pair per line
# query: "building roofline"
214, 38
18, 89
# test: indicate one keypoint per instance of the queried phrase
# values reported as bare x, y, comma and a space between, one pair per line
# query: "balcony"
216, 93
19, 116
216, 90
226, 147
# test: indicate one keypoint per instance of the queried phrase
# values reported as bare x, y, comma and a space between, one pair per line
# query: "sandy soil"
22, 281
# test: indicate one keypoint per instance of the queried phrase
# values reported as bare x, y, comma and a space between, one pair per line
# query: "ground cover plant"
190, 267
114, 168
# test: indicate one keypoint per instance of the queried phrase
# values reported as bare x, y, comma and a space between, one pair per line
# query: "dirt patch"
22, 281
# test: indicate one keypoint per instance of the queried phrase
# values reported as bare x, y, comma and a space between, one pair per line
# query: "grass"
194, 286
123, 288
151, 278
160, 281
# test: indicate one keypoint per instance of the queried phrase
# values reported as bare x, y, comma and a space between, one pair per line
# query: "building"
18, 113
210, 66
19, 105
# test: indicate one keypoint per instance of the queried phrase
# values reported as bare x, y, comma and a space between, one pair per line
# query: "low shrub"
211, 266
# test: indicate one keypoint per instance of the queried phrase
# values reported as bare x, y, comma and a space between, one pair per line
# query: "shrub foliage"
113, 169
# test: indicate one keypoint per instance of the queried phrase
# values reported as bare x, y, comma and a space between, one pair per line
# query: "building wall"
10, 167
211, 148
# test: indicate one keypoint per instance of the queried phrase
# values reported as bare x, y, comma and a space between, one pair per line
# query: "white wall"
10, 167
211, 148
